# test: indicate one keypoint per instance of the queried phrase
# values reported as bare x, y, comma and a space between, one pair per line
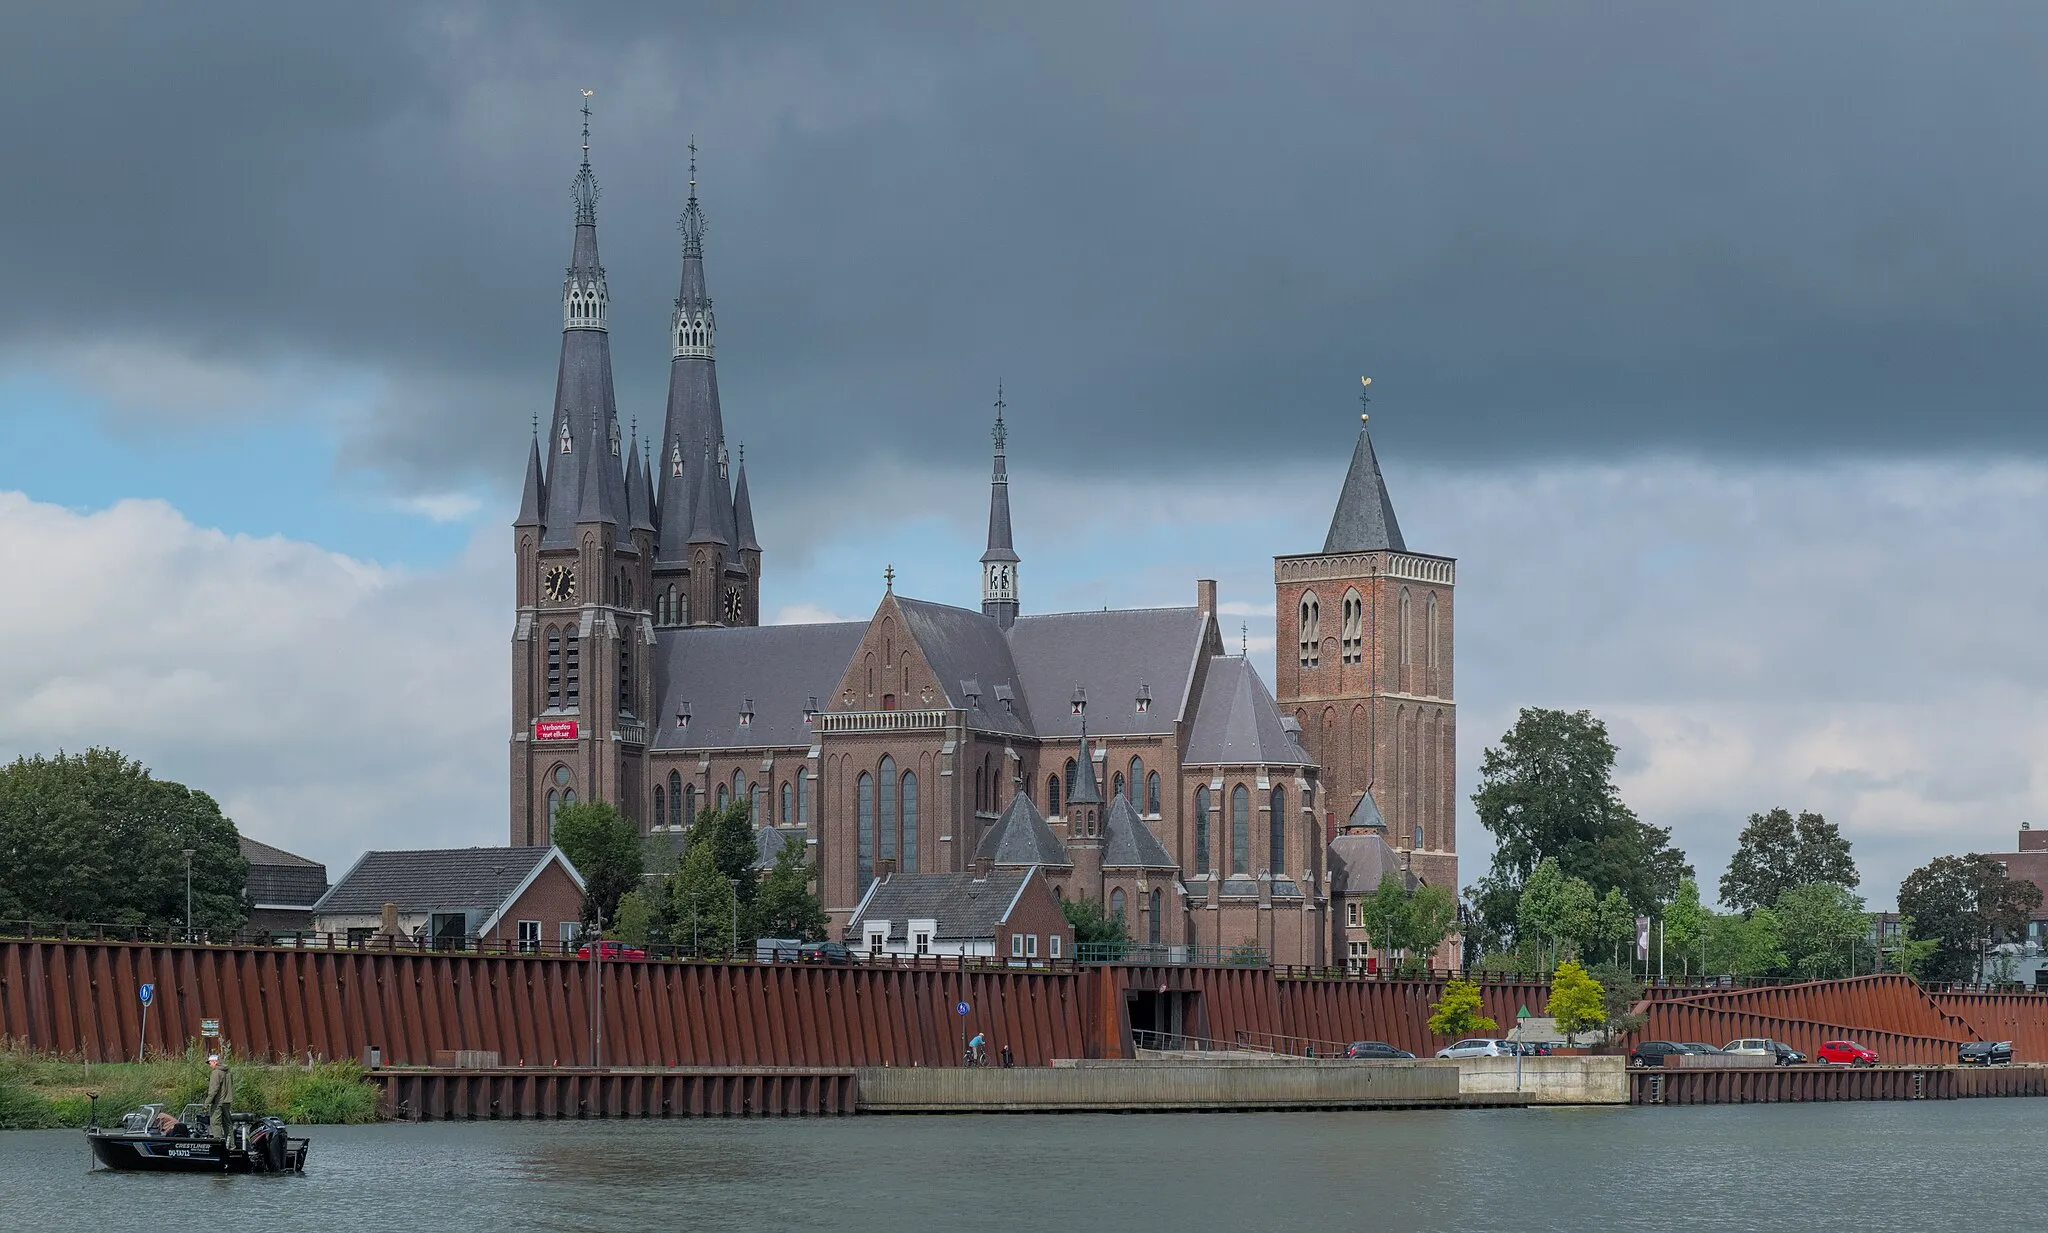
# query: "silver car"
1477, 1046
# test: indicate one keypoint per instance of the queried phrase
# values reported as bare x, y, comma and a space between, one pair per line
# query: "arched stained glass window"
1116, 785
909, 822
1137, 783
803, 798
1240, 829
689, 817
1152, 793
891, 821
782, 815
1116, 903
1052, 796
1276, 839
660, 805
678, 814
1152, 927
864, 809
1202, 829
757, 805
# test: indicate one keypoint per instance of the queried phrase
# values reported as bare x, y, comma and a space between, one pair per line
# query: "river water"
1863, 1167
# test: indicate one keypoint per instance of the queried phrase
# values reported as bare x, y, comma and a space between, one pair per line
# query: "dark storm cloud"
1173, 230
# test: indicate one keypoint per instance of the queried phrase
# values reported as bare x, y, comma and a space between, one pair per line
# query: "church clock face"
560, 584
735, 606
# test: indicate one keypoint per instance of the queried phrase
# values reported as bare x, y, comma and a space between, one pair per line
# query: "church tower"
580, 646
707, 566
1364, 664
999, 563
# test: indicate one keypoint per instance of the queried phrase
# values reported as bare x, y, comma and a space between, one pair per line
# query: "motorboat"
150, 1139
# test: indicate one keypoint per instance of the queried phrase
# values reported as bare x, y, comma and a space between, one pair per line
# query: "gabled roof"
769, 840
963, 905
964, 647
1364, 520
1022, 837
1358, 862
781, 667
1129, 843
1237, 721
278, 878
480, 880
1111, 654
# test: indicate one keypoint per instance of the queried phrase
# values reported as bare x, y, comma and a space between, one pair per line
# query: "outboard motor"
269, 1152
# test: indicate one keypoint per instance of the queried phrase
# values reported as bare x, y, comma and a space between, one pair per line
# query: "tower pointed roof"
534, 497
693, 413
743, 511
1087, 789
638, 500
584, 482
1364, 521
707, 525
999, 546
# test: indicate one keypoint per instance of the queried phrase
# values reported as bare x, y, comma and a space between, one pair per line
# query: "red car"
612, 950
1845, 1053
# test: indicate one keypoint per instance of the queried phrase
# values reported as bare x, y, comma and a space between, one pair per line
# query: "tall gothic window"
1152, 929
803, 797
1116, 786
572, 670
723, 797
980, 789
554, 668
554, 803
1202, 829
1354, 627
1276, 833
782, 814
689, 817
864, 798
737, 780
909, 822
1116, 903
1311, 629
1152, 794
892, 821
1404, 630
1070, 779
660, 805
1052, 796
1240, 830
675, 800
757, 805
1429, 634
1137, 779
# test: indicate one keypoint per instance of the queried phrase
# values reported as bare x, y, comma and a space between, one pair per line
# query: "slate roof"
1129, 843
1364, 520
587, 484
1358, 862
964, 646
435, 880
781, 667
1237, 721
965, 906
1366, 813
1110, 654
278, 878
1022, 837
532, 498
768, 843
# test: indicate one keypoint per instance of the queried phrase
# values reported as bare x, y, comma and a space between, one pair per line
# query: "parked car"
1374, 1049
1780, 1054
1701, 1047
1478, 1047
612, 950
1845, 1053
1653, 1052
1531, 1048
1985, 1053
825, 952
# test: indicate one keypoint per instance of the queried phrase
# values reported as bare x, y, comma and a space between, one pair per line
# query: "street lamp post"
189, 853
734, 883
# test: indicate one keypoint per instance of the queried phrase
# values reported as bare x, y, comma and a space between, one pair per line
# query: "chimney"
1205, 596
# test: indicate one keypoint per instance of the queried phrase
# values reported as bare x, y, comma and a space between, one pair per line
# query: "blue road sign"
148, 994
963, 1008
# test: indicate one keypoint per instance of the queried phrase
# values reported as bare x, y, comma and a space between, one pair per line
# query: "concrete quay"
1208, 1083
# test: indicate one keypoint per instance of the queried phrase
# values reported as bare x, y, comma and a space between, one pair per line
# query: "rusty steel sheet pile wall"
1394, 1011
1889, 1013
279, 1002
2021, 1018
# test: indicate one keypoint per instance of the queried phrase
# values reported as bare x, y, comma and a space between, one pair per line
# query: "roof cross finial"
691, 224
1002, 434
1364, 397
693, 166
1244, 638
587, 94
586, 182
889, 579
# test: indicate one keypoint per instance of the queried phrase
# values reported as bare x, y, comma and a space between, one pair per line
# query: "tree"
1457, 1013
94, 837
1576, 1000
1685, 924
1617, 923
633, 922
1821, 924
604, 845
1547, 792
1432, 914
1558, 908
1964, 903
1911, 954
730, 834
1095, 926
701, 905
785, 907
1777, 852
1385, 915
1745, 945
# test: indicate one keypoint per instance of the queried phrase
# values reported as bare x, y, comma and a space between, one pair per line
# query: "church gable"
889, 670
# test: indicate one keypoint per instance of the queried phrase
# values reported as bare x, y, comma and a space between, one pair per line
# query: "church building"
1124, 754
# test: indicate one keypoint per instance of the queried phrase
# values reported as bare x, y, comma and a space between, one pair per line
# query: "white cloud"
806, 614
442, 506
329, 704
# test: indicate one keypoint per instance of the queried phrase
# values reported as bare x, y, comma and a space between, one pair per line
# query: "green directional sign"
1524, 1012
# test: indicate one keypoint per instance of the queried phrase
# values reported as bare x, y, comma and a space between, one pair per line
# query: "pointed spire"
585, 190
534, 498
999, 562
692, 223
1364, 520
639, 514
1087, 789
707, 525
743, 511
693, 414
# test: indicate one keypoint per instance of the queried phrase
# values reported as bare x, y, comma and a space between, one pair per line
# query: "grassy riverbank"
38, 1092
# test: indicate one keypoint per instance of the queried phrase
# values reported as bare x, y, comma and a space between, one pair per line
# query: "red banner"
554, 729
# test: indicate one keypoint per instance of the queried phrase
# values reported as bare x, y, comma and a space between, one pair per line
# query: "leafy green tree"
1965, 903
1385, 915
1911, 954
1685, 924
1547, 792
1617, 923
785, 907
1777, 852
1749, 945
1821, 925
604, 845
94, 837
633, 923
730, 834
1457, 1013
701, 905
1095, 925
1432, 914
1558, 908
1620, 993
1576, 1000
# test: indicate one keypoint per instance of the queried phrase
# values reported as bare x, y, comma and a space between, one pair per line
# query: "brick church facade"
1125, 753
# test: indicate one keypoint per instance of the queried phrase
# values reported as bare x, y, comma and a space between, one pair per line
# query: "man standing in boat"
220, 1095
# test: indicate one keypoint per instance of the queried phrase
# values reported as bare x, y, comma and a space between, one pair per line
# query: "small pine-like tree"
700, 906
1457, 1013
1577, 1002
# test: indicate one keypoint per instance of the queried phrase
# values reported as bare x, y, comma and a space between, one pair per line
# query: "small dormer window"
747, 713
811, 711
683, 716
565, 436
1144, 697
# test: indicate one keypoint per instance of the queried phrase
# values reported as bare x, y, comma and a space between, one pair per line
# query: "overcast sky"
1705, 338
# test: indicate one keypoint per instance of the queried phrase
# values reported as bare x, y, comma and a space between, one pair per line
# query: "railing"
1180, 1042
1158, 955
1290, 1046
879, 721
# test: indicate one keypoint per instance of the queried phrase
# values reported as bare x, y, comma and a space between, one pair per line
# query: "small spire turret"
999, 563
